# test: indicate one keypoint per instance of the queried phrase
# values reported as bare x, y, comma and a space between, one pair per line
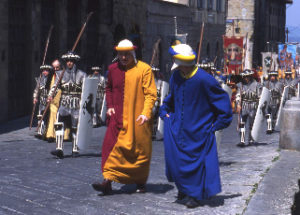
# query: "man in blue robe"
195, 108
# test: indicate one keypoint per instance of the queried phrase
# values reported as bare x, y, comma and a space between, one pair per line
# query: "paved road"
33, 182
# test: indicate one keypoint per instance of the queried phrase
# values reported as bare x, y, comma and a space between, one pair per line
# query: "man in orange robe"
130, 96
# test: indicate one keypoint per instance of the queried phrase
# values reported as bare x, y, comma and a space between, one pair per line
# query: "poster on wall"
287, 55
233, 55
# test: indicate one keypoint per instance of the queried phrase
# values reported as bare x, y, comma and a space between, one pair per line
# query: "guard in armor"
53, 108
40, 94
71, 88
276, 87
247, 99
100, 95
290, 82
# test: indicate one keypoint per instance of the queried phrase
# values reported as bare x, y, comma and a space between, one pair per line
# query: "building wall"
241, 13
263, 20
4, 60
269, 27
160, 23
25, 25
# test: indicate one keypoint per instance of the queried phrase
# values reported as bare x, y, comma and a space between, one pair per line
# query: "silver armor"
248, 97
71, 87
40, 93
276, 88
99, 99
292, 84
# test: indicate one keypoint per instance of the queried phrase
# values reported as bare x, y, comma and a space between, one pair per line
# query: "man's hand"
167, 115
50, 98
143, 119
110, 111
35, 101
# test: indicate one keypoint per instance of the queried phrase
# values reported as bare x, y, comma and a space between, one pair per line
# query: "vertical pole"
298, 92
233, 28
175, 24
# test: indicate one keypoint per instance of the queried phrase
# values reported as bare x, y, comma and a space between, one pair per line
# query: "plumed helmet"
70, 56
247, 72
46, 67
273, 72
96, 68
288, 71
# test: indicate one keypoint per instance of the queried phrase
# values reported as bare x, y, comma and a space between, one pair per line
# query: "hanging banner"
287, 55
233, 55
267, 60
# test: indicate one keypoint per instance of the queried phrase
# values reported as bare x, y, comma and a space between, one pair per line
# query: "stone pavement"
33, 182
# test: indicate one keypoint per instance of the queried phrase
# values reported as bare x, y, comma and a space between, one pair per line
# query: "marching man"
40, 95
71, 88
247, 99
195, 108
290, 82
100, 95
276, 87
130, 96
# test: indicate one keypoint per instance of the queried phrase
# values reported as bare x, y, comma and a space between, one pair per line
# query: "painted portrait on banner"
233, 48
287, 55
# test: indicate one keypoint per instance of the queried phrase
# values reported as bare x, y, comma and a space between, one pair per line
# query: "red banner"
233, 55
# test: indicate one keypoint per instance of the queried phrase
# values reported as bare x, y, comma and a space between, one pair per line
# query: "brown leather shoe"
104, 187
140, 188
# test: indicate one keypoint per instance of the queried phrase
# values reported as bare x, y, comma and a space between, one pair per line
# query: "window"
219, 5
200, 4
210, 4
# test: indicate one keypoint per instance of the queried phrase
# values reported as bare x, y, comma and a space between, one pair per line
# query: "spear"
62, 73
200, 43
44, 58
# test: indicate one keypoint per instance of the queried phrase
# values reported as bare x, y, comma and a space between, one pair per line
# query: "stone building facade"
25, 24
263, 20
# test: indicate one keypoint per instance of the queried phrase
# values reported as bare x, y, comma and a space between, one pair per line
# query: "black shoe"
269, 131
241, 144
75, 154
180, 195
182, 201
38, 136
104, 187
58, 153
140, 188
51, 140
192, 203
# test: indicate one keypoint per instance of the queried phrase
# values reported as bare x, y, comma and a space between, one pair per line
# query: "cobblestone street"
33, 182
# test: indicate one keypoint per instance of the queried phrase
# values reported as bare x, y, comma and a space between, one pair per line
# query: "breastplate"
249, 96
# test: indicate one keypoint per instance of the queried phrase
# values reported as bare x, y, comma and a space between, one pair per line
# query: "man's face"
186, 69
96, 72
273, 78
246, 79
125, 58
56, 65
45, 72
70, 64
